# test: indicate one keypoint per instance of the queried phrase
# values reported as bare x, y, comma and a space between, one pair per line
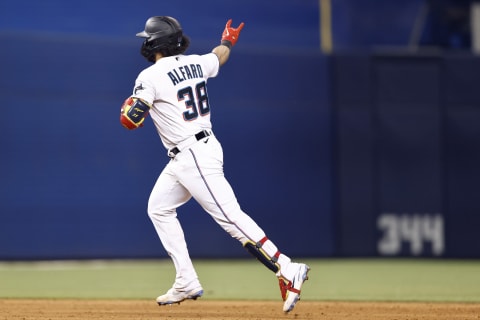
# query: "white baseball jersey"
176, 88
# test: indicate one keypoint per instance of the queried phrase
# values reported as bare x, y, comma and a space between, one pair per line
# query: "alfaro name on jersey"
185, 72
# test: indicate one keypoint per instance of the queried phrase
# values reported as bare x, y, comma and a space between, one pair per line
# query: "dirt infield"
14, 309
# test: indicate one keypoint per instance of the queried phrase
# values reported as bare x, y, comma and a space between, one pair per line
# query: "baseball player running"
174, 92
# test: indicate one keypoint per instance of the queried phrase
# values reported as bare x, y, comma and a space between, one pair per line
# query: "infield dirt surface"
24, 309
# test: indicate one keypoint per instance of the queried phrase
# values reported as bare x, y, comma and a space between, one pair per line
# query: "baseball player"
174, 92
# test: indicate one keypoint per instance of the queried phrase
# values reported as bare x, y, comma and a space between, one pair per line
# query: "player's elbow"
133, 113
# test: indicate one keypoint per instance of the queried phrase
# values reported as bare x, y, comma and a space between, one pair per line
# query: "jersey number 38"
196, 102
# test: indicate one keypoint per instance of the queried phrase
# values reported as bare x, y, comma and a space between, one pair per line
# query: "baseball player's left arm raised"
229, 39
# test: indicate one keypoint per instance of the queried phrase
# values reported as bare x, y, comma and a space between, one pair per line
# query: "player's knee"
156, 211
158, 215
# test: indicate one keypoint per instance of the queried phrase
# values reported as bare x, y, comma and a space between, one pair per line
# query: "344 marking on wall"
414, 234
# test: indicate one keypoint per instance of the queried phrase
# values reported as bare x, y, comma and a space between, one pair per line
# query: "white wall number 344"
411, 233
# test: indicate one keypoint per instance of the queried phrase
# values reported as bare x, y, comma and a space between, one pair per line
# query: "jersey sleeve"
144, 89
211, 64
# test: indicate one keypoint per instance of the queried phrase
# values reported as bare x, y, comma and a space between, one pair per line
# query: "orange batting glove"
230, 35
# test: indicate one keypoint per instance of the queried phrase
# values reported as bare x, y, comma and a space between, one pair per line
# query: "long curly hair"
167, 46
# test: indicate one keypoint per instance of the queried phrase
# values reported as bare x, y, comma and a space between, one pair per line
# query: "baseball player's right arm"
229, 39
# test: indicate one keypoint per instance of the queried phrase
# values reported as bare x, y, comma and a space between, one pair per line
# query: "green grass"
330, 279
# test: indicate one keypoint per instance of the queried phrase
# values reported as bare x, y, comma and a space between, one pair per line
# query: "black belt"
199, 136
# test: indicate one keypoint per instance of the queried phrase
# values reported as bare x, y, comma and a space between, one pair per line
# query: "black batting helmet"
164, 35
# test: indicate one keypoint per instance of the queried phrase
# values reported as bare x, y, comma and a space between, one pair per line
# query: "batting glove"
230, 35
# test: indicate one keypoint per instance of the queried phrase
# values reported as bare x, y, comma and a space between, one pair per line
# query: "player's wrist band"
226, 43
